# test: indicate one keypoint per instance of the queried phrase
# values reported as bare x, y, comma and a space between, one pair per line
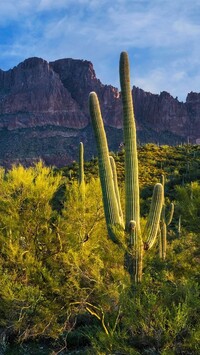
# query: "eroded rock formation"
44, 112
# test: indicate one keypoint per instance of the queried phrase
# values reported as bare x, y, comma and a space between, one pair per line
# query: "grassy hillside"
63, 285
180, 163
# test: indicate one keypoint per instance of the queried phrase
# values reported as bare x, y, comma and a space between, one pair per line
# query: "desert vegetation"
63, 281
76, 277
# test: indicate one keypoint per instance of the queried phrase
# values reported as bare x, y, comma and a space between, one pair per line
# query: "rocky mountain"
44, 113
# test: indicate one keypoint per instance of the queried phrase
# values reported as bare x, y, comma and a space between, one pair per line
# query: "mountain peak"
44, 112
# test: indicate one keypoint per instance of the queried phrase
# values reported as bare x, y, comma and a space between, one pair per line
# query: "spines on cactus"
170, 214
115, 181
113, 215
132, 198
111, 209
164, 222
153, 220
163, 241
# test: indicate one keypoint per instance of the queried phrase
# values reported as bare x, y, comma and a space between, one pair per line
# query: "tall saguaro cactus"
114, 219
132, 198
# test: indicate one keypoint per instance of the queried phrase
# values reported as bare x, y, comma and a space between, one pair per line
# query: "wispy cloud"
162, 37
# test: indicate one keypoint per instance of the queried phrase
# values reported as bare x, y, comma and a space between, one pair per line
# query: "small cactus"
164, 223
81, 178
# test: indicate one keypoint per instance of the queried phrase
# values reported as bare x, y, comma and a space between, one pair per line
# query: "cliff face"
161, 112
193, 109
44, 112
32, 94
79, 78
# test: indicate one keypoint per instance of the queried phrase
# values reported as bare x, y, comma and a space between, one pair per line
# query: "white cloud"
51, 4
177, 83
167, 32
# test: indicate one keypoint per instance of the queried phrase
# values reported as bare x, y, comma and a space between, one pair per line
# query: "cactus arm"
114, 174
162, 181
160, 242
153, 220
163, 241
170, 214
108, 191
171, 208
164, 223
132, 204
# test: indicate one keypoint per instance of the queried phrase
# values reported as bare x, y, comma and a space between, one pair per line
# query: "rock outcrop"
44, 112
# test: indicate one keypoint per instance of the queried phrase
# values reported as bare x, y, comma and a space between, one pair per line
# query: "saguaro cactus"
164, 223
111, 208
134, 242
132, 198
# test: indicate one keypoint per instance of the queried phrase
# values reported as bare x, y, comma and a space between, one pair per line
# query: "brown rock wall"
49, 102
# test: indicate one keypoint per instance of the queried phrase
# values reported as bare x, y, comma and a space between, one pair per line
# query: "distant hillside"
44, 113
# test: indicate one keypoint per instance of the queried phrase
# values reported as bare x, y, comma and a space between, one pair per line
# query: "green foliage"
25, 210
153, 320
63, 281
154, 161
49, 269
189, 205
63, 285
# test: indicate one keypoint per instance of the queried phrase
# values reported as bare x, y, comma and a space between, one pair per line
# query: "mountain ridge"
44, 110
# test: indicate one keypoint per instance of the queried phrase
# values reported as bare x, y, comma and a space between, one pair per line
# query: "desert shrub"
189, 205
63, 280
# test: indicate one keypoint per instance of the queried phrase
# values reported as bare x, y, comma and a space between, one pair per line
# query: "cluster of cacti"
164, 223
136, 242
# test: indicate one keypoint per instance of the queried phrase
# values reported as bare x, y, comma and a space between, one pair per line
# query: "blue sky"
162, 38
